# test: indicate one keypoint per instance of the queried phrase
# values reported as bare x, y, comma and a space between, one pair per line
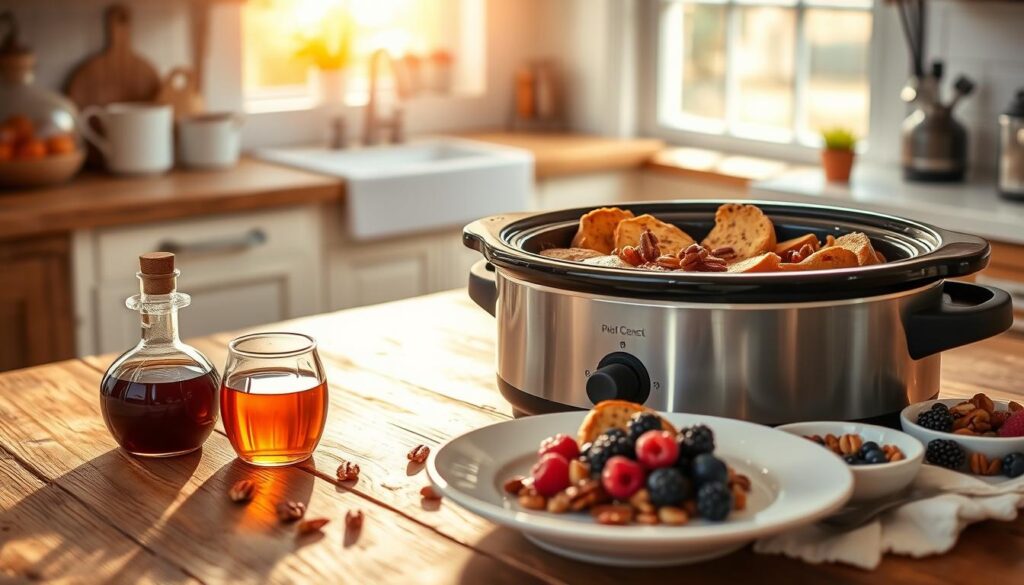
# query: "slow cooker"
854, 344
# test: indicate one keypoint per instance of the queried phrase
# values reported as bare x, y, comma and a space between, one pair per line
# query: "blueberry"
868, 447
667, 487
852, 460
874, 457
714, 501
708, 469
1013, 465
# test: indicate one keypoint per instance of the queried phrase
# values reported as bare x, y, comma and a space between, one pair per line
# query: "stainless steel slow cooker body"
855, 344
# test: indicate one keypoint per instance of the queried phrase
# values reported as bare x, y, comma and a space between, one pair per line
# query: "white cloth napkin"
922, 528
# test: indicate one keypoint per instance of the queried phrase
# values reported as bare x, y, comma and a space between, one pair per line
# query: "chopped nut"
980, 465
558, 503
242, 491
310, 526
578, 471
354, 519
514, 485
961, 409
428, 493
641, 501
983, 402
348, 471
832, 442
531, 500
739, 479
419, 454
739, 498
585, 494
850, 444
617, 514
648, 518
964, 431
290, 511
673, 516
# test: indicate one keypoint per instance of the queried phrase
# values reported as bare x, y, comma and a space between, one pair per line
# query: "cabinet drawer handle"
251, 239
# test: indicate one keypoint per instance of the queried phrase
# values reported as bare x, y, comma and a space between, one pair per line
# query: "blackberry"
606, 446
936, 420
642, 422
945, 453
709, 469
940, 406
696, 440
1013, 465
714, 501
667, 487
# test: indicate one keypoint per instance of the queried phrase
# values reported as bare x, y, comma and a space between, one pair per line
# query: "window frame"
656, 120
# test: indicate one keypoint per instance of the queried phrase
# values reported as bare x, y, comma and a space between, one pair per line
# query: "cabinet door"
36, 321
454, 261
367, 274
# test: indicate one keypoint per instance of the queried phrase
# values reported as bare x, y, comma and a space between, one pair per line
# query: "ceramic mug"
210, 141
137, 138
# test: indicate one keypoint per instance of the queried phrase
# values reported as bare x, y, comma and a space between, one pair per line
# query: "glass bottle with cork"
160, 398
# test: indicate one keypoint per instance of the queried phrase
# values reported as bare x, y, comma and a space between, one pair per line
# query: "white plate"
795, 482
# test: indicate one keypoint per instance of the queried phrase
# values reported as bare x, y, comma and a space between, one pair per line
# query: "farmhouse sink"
421, 185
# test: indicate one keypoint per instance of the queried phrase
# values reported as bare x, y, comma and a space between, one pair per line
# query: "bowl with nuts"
883, 460
979, 426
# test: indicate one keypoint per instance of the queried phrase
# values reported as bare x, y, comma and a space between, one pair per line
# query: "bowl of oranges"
33, 158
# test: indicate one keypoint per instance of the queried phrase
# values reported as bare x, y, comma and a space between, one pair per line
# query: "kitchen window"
764, 70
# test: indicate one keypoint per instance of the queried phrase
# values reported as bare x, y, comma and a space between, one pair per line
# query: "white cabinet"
241, 270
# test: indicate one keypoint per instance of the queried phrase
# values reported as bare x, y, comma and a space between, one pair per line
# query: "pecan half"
558, 503
630, 255
290, 511
578, 471
242, 491
428, 493
850, 444
832, 442
514, 485
310, 526
531, 500
961, 409
738, 479
641, 500
981, 465
724, 252
419, 454
647, 518
649, 248
673, 516
348, 471
615, 514
983, 402
668, 261
739, 498
696, 258
585, 494
354, 519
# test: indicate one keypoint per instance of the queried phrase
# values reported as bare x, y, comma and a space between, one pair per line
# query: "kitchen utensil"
137, 138
181, 91
990, 447
117, 74
470, 470
871, 482
934, 143
210, 141
1011, 149
770, 347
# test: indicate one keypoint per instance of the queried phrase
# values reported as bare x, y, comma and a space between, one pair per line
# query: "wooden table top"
75, 508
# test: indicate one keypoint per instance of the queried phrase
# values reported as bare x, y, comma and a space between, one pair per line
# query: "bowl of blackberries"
979, 435
883, 460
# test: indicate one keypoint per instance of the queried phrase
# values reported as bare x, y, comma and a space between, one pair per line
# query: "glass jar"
161, 398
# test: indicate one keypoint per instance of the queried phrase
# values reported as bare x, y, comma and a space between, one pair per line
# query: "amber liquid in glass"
277, 418
165, 409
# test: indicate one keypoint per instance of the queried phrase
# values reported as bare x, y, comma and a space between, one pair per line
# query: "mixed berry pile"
640, 474
974, 417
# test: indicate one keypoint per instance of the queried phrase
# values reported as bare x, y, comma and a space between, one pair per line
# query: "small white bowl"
871, 482
991, 447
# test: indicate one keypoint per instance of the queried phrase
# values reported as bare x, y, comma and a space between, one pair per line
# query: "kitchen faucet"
374, 123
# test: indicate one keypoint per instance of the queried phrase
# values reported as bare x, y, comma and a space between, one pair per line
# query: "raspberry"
622, 477
945, 453
656, 449
642, 422
667, 487
1014, 426
550, 474
714, 501
564, 445
936, 420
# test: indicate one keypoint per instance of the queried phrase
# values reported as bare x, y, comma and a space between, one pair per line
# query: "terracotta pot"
837, 165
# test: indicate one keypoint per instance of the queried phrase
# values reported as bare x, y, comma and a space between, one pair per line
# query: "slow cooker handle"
483, 287
966, 313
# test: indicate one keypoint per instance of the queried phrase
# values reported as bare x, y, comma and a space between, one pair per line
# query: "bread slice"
825, 259
597, 229
744, 228
670, 238
612, 414
767, 262
570, 254
859, 244
796, 243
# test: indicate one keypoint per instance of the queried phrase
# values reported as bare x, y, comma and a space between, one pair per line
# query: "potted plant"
328, 50
837, 156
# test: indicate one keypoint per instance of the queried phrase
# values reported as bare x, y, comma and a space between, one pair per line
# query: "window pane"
704, 61
765, 62
838, 83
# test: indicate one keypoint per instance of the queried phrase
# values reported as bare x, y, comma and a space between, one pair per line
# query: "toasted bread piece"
767, 262
859, 244
609, 261
571, 254
744, 228
670, 238
797, 243
597, 229
880, 257
612, 414
825, 259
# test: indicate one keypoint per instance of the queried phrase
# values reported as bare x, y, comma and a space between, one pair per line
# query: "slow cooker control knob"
619, 376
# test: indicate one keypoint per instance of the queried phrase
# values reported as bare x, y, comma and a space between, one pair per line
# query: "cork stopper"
156, 269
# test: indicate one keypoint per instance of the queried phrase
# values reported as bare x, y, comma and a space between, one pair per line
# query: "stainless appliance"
934, 143
1011, 149
768, 347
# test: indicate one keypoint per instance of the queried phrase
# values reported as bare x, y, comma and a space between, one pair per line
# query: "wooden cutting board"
180, 91
116, 74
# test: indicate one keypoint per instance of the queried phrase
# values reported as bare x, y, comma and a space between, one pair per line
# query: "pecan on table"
418, 454
242, 491
696, 258
290, 511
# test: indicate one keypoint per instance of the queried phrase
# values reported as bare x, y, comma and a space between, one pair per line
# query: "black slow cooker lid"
917, 254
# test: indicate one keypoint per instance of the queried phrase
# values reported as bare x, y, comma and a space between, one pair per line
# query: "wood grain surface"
400, 374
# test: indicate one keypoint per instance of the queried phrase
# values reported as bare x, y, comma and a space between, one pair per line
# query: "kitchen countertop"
973, 207
72, 506
96, 199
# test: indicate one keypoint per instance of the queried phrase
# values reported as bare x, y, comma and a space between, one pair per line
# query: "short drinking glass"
274, 398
